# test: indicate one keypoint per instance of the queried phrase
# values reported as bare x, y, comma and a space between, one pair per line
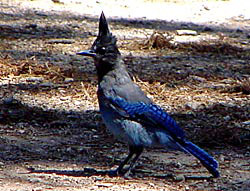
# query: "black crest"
103, 26
105, 43
105, 40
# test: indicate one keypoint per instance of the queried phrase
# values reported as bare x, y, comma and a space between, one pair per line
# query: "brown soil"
51, 133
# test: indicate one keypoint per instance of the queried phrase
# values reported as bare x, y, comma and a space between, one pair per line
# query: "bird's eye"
102, 50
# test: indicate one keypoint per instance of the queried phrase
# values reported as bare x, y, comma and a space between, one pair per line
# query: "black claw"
114, 173
117, 172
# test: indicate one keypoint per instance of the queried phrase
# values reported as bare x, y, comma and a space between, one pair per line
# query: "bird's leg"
118, 171
137, 150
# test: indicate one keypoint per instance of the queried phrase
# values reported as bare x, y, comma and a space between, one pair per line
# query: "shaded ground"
51, 134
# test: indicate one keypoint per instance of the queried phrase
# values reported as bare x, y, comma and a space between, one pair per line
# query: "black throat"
102, 71
109, 66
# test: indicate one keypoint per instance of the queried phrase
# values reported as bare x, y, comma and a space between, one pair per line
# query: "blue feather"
207, 160
152, 112
159, 117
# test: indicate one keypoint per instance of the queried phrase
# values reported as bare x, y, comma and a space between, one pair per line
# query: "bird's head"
104, 49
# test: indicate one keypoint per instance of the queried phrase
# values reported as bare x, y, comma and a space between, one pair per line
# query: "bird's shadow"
88, 172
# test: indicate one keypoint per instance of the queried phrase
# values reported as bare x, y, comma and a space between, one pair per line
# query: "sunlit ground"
199, 11
49, 117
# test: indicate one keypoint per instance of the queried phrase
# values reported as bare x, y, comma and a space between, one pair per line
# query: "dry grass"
158, 40
216, 117
30, 67
203, 43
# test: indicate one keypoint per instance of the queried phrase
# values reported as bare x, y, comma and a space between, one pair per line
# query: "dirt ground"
51, 133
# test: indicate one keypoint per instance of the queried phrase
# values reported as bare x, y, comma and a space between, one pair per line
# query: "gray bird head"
104, 49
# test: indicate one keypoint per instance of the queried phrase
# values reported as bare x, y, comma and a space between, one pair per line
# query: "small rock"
69, 149
33, 26
58, 1
77, 102
187, 65
207, 29
64, 98
72, 117
227, 118
198, 78
68, 80
178, 165
94, 188
227, 81
187, 188
61, 41
151, 184
246, 123
201, 69
89, 170
186, 32
47, 84
206, 7
193, 105
34, 79
238, 30
222, 158
21, 131
41, 14
104, 185
184, 25
9, 101
179, 178
98, 178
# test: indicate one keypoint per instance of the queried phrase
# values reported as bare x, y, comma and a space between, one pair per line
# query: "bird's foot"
121, 173
114, 173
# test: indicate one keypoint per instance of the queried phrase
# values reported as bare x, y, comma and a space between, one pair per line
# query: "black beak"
90, 53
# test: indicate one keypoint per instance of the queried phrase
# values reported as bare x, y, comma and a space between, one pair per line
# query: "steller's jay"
128, 113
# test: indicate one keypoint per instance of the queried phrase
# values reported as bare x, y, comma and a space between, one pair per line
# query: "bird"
129, 114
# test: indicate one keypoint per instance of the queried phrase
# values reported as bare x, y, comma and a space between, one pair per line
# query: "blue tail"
207, 160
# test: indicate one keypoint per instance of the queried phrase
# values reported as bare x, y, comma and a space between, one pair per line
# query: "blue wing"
150, 113
157, 117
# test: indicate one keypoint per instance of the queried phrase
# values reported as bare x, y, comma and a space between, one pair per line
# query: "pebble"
198, 78
21, 131
222, 158
193, 105
151, 184
246, 123
186, 32
104, 185
207, 29
64, 98
33, 26
46, 84
61, 41
201, 69
34, 79
77, 102
98, 178
227, 118
94, 188
68, 80
9, 100
238, 30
